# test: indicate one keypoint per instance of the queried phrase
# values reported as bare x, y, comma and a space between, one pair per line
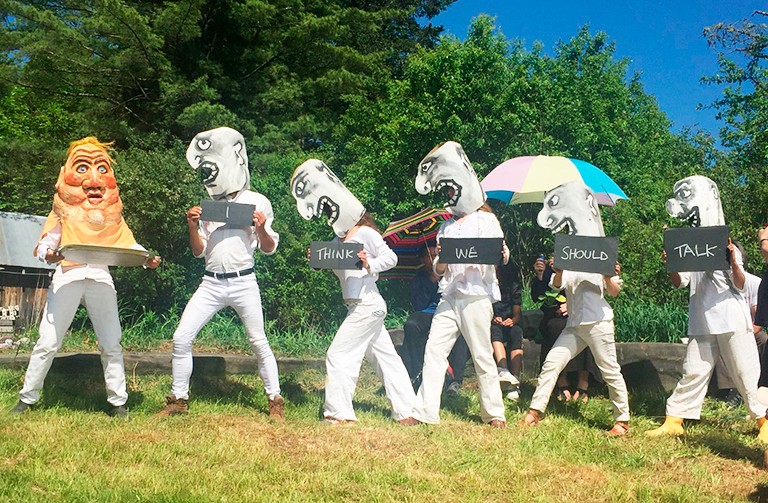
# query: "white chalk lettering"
686, 250
569, 253
466, 253
326, 253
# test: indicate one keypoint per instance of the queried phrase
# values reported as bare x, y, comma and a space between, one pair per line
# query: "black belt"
227, 275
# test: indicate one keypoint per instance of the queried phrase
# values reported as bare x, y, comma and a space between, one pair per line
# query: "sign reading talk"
586, 253
233, 214
470, 250
334, 255
692, 249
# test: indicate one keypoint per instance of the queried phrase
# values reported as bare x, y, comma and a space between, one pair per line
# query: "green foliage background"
368, 87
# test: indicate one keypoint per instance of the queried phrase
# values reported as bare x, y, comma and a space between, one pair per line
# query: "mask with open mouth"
319, 192
571, 207
696, 201
86, 190
447, 168
221, 157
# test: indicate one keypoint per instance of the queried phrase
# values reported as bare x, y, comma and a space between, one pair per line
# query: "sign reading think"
233, 214
691, 249
334, 255
470, 250
586, 253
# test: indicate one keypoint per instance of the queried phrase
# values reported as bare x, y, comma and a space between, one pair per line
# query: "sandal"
532, 418
581, 394
563, 394
619, 429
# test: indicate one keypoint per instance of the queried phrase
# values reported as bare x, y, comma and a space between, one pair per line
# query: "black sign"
334, 255
692, 249
234, 214
470, 250
586, 253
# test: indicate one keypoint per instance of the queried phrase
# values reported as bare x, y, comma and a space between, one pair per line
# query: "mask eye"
83, 168
684, 193
299, 189
102, 169
553, 201
203, 144
426, 166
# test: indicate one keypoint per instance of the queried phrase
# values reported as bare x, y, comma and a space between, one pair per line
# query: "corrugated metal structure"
23, 278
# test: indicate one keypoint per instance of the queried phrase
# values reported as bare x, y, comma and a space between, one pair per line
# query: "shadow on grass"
83, 392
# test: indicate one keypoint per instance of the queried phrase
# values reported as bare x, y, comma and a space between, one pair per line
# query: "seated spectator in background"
424, 299
553, 322
506, 332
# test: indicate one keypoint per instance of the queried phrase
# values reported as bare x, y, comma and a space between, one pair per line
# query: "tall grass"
643, 321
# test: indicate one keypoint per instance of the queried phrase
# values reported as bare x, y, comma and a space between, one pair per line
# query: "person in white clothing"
86, 210
590, 317
319, 192
468, 290
719, 322
729, 394
229, 278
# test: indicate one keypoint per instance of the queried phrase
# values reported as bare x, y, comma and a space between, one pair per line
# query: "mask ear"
592, 205
238, 148
715, 191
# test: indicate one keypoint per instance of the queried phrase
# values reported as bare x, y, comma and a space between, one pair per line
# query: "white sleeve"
380, 255
267, 210
50, 241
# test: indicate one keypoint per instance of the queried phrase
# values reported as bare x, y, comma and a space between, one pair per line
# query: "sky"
662, 39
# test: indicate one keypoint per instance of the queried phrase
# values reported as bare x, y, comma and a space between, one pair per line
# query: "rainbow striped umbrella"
407, 236
526, 179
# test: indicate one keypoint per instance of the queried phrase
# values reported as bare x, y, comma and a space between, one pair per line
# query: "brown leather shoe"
532, 418
174, 406
277, 408
497, 423
410, 421
620, 428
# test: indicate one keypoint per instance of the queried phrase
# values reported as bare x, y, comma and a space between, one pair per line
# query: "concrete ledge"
648, 366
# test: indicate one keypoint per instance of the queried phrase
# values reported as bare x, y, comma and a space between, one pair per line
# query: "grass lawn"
227, 450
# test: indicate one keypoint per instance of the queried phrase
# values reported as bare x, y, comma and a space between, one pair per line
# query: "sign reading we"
470, 250
586, 253
691, 249
334, 255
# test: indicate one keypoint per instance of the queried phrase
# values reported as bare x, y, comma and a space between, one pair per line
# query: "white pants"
599, 337
471, 317
61, 305
739, 352
362, 334
240, 293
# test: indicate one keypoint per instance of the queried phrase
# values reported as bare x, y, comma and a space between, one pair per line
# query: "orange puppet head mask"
86, 190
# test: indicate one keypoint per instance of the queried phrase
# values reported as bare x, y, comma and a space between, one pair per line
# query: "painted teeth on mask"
333, 209
443, 184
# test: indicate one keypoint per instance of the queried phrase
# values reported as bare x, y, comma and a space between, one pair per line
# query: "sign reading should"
334, 255
470, 250
586, 253
233, 214
691, 249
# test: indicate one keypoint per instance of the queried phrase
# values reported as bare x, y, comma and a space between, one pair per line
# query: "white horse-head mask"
572, 205
220, 156
447, 168
318, 191
696, 201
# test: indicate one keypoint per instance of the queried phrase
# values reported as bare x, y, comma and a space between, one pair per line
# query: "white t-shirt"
231, 249
355, 283
586, 299
471, 279
715, 305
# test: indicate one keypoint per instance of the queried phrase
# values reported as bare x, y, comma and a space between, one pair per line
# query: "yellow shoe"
673, 426
762, 433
